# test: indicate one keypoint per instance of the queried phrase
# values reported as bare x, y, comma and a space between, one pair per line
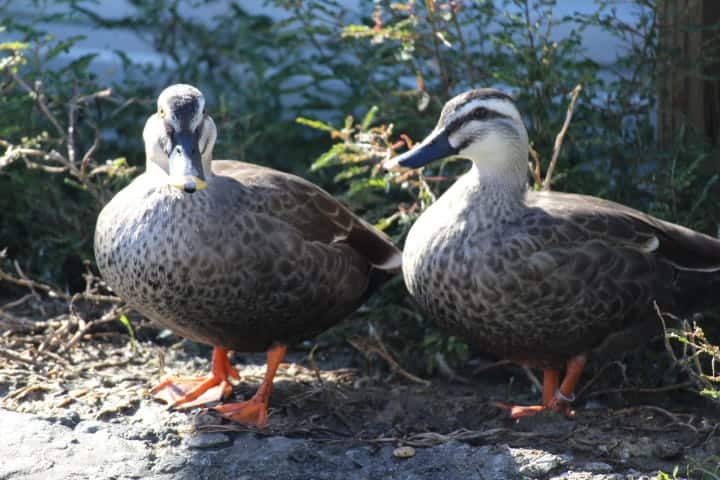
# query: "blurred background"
327, 89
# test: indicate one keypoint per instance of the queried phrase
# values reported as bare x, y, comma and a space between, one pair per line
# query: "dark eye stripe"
479, 113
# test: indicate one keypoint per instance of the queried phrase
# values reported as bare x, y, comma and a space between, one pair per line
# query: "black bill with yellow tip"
185, 165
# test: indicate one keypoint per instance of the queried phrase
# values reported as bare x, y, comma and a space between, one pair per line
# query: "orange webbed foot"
254, 411
190, 392
251, 412
520, 411
516, 412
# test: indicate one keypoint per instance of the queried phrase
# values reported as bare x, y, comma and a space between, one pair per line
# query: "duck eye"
481, 113
161, 112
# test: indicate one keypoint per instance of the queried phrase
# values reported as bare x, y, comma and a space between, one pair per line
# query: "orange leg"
254, 411
554, 398
189, 392
566, 392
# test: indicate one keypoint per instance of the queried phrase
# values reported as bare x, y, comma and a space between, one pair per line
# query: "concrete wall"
600, 46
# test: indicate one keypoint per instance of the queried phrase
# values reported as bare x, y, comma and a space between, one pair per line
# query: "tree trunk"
690, 90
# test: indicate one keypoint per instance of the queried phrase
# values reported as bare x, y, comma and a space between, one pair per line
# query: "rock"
668, 449
536, 463
69, 419
39, 449
206, 418
209, 440
404, 452
281, 444
597, 467
88, 426
587, 476
641, 447
360, 457
170, 464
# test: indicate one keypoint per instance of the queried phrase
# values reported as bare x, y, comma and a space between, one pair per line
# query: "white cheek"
491, 149
156, 155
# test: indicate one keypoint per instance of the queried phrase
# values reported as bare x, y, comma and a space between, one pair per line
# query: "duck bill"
185, 163
435, 147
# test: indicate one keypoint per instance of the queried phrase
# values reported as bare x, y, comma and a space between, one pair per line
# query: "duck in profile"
232, 254
544, 279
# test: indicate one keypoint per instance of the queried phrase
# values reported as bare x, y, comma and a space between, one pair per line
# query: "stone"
209, 440
39, 449
597, 467
69, 419
404, 452
170, 464
668, 449
538, 464
88, 426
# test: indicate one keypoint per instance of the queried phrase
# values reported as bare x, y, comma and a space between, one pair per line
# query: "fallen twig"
598, 374
673, 417
16, 303
14, 323
444, 368
10, 355
367, 347
23, 392
54, 356
665, 388
33, 285
84, 327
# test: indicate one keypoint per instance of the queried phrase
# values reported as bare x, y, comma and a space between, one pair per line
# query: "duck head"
481, 125
179, 138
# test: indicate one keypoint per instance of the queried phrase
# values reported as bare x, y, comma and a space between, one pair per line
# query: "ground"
85, 412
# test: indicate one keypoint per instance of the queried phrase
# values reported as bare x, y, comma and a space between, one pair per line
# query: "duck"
231, 254
545, 279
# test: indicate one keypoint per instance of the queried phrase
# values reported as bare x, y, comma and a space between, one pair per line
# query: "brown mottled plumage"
255, 258
541, 278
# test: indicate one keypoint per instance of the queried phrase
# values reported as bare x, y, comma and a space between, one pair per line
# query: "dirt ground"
328, 397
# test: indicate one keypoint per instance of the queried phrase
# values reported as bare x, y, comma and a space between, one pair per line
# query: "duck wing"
313, 211
627, 256
684, 248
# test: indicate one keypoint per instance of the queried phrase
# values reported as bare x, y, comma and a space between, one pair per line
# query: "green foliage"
707, 468
123, 319
665, 476
53, 129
